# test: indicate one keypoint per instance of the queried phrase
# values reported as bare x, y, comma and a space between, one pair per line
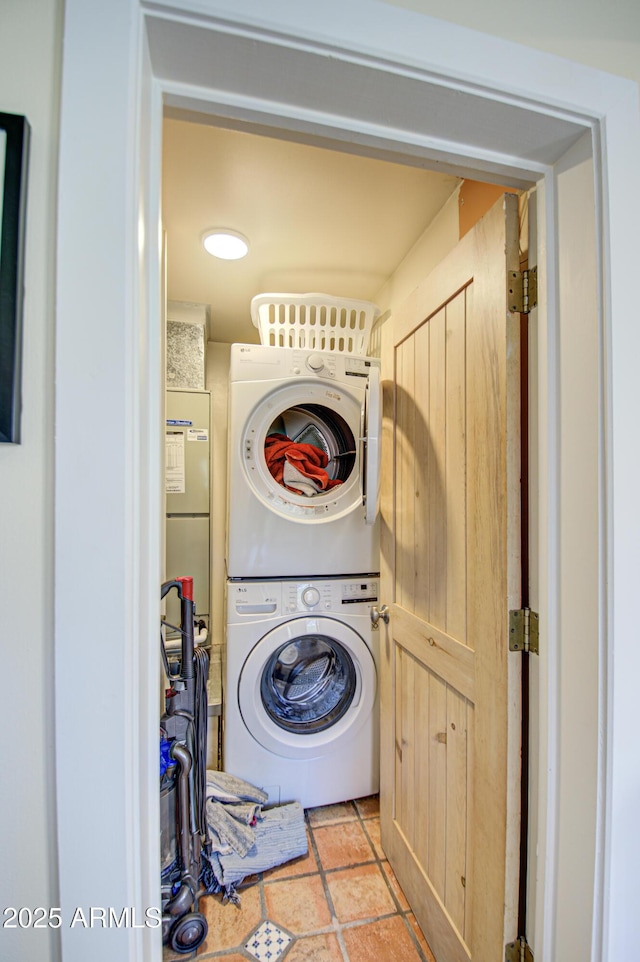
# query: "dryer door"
372, 439
307, 687
300, 451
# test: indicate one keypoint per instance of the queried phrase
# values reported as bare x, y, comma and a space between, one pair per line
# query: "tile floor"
339, 903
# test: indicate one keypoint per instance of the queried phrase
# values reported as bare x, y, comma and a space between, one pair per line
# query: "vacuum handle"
168, 585
188, 610
184, 587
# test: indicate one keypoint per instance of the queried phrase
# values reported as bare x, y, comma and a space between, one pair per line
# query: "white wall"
602, 35
431, 247
30, 44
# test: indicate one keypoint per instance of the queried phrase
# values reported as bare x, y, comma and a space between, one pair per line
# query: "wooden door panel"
422, 684
447, 657
405, 476
435, 729
457, 792
456, 468
450, 569
432, 763
435, 424
421, 598
431, 470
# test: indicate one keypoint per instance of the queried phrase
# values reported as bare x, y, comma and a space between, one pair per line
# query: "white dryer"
301, 695
333, 402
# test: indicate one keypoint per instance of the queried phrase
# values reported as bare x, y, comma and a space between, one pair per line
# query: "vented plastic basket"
317, 322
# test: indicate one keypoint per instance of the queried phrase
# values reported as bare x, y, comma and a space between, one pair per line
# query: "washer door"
307, 686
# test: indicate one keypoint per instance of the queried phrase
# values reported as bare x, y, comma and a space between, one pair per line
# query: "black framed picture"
14, 159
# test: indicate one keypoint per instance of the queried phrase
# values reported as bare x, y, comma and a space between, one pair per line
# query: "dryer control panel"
254, 362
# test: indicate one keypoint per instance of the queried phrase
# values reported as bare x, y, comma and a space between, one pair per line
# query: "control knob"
315, 362
310, 597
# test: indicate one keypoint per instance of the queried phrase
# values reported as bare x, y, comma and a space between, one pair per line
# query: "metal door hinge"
523, 630
522, 290
518, 951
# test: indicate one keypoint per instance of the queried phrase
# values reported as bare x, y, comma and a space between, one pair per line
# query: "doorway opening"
462, 204
196, 63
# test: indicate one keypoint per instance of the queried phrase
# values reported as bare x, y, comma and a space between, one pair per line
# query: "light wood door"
450, 573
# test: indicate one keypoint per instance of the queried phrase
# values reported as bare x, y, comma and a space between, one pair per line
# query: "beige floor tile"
318, 948
372, 828
298, 904
360, 893
233, 957
385, 941
330, 814
368, 807
229, 925
342, 845
247, 882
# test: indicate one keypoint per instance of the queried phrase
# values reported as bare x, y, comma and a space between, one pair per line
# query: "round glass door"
308, 684
301, 450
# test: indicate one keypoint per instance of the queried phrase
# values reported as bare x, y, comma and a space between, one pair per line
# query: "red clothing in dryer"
309, 460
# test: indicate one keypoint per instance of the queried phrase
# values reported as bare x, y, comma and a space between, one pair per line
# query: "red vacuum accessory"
187, 587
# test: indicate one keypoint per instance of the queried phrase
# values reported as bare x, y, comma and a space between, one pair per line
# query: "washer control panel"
328, 595
359, 592
264, 598
254, 598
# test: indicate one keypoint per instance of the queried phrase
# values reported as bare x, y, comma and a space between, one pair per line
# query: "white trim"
149, 494
548, 510
373, 139
605, 528
400, 40
95, 123
621, 142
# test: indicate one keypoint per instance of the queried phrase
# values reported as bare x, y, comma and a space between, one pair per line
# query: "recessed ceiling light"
227, 244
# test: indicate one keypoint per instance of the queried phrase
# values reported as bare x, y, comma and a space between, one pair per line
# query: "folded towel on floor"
279, 836
228, 833
224, 787
246, 812
244, 839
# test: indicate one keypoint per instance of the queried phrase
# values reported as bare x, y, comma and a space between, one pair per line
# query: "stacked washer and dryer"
302, 654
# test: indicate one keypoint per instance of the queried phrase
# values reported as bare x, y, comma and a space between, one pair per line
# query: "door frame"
108, 377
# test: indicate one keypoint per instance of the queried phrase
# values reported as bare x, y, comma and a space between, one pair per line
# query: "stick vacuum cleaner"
183, 746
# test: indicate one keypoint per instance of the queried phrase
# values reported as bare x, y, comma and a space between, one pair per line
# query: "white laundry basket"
317, 322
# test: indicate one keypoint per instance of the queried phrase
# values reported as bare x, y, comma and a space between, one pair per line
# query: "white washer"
301, 694
334, 402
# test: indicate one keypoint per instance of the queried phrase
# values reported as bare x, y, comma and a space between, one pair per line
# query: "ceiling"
317, 220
